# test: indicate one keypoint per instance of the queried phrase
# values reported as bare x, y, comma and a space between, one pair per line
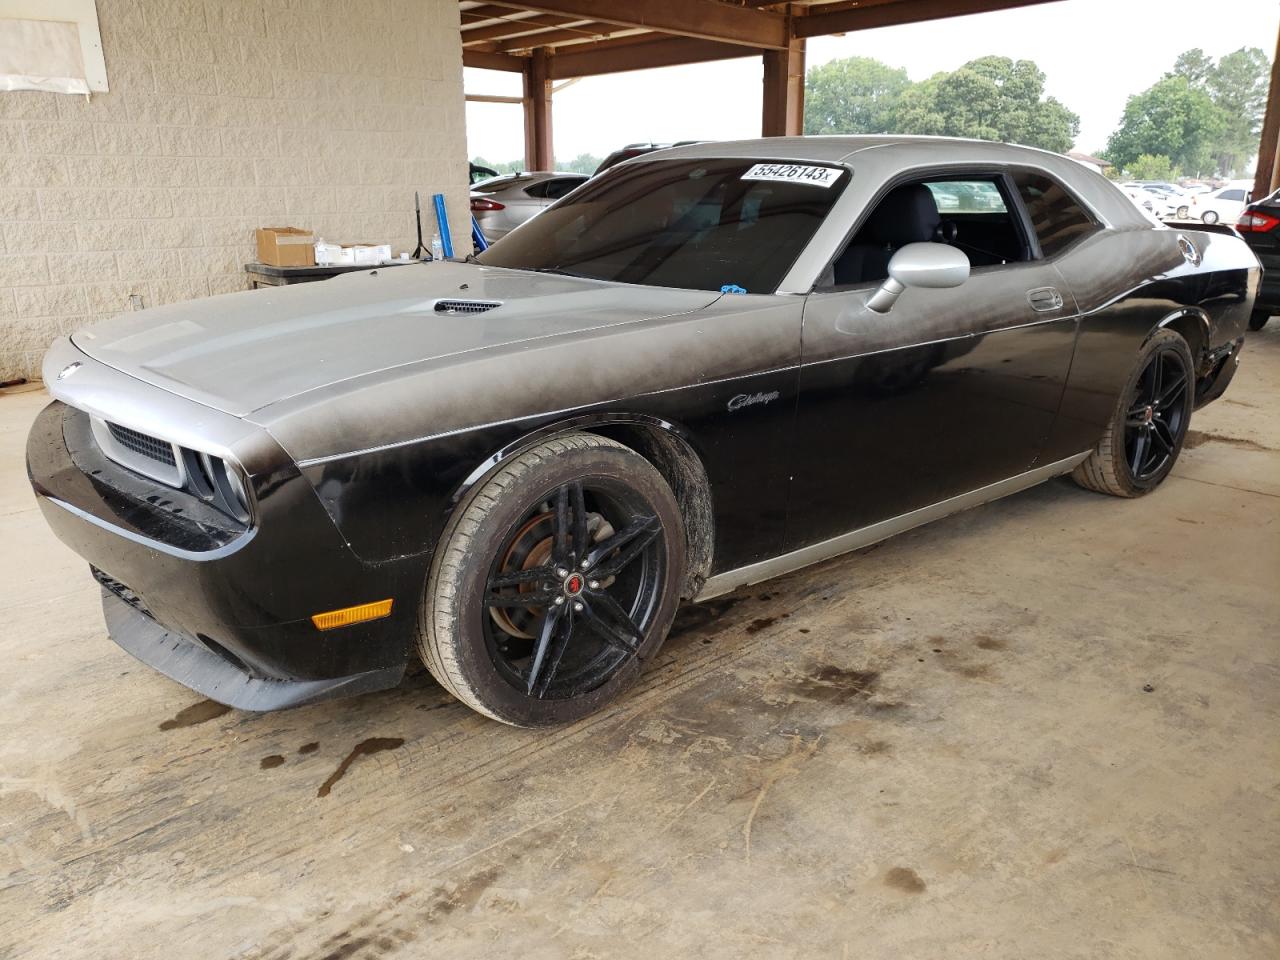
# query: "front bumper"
221, 608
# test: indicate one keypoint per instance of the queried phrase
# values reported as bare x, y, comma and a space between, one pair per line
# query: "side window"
1056, 217
970, 213
539, 190
1233, 195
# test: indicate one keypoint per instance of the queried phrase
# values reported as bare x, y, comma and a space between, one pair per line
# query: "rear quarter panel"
1128, 283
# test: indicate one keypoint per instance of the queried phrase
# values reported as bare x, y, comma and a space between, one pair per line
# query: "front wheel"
1210, 217
555, 583
1258, 319
1150, 420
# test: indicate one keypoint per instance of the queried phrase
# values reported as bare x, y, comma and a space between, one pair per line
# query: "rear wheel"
555, 583
1183, 212
1258, 319
1145, 435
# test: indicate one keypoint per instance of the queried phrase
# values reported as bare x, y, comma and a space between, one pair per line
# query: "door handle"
1044, 299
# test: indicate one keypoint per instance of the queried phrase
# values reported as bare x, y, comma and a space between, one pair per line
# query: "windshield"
696, 224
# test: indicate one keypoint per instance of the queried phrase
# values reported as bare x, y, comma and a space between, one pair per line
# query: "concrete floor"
1046, 728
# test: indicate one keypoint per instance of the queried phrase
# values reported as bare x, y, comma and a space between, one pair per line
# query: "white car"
1144, 200
1225, 203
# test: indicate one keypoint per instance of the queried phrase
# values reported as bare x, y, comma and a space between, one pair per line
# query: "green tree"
1195, 65
1172, 119
1147, 167
855, 95
991, 98
1238, 87
582, 163
511, 166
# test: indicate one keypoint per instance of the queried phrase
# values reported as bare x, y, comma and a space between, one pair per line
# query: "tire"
1210, 217
1258, 319
1110, 467
504, 647
1183, 212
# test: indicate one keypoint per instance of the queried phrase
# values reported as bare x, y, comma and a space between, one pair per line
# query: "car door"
949, 391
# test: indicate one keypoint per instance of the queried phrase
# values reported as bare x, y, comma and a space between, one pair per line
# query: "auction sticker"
794, 173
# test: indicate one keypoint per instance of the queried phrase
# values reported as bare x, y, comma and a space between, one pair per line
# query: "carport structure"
550, 40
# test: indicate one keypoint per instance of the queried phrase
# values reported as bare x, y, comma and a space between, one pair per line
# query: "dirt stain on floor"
760, 623
904, 879
271, 762
1196, 438
990, 643
830, 684
362, 749
311, 747
200, 712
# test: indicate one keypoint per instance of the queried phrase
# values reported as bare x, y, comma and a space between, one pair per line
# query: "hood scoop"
465, 306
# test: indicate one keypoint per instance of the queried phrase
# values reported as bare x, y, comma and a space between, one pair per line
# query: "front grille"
465, 306
143, 444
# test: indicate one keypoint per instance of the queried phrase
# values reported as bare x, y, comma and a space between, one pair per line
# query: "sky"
1094, 53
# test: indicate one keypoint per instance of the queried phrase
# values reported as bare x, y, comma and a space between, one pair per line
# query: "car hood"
240, 352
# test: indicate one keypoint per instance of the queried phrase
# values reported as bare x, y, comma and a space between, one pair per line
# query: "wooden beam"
1267, 177
703, 19
493, 61
547, 38
894, 14
538, 153
511, 27
490, 98
782, 113
637, 53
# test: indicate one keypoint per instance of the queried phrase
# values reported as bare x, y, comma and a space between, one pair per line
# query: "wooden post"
538, 154
783, 109
1267, 177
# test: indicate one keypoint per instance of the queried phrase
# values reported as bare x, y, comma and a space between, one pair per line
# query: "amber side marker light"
349, 615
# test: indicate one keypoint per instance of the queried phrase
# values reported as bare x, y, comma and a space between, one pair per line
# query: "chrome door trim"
723, 583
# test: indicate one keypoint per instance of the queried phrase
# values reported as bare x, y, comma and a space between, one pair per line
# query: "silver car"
500, 204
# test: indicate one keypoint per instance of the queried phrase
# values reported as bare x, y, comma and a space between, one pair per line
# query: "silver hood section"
240, 352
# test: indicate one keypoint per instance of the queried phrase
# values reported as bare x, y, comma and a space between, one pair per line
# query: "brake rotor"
531, 548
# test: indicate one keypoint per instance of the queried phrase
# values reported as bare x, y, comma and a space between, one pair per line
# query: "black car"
697, 371
632, 150
1260, 227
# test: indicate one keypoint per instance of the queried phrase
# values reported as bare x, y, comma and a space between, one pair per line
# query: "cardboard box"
286, 247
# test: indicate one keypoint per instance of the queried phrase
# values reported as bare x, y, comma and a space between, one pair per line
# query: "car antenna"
419, 250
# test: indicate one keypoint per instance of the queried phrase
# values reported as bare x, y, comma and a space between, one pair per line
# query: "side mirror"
920, 265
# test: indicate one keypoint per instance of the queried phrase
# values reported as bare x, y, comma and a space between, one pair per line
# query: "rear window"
695, 224
1058, 219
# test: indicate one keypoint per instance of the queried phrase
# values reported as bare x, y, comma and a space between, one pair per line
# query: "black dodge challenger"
704, 368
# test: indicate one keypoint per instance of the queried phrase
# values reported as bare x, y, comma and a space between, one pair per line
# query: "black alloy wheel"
1157, 415
573, 590
554, 582
1148, 423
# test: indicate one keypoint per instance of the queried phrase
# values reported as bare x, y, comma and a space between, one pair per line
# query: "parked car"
478, 173
1260, 227
695, 373
500, 204
1225, 203
1151, 205
632, 150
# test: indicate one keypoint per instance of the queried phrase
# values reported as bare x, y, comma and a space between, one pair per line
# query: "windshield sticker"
732, 288
793, 173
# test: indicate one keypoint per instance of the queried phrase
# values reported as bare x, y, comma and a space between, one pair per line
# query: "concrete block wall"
223, 116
